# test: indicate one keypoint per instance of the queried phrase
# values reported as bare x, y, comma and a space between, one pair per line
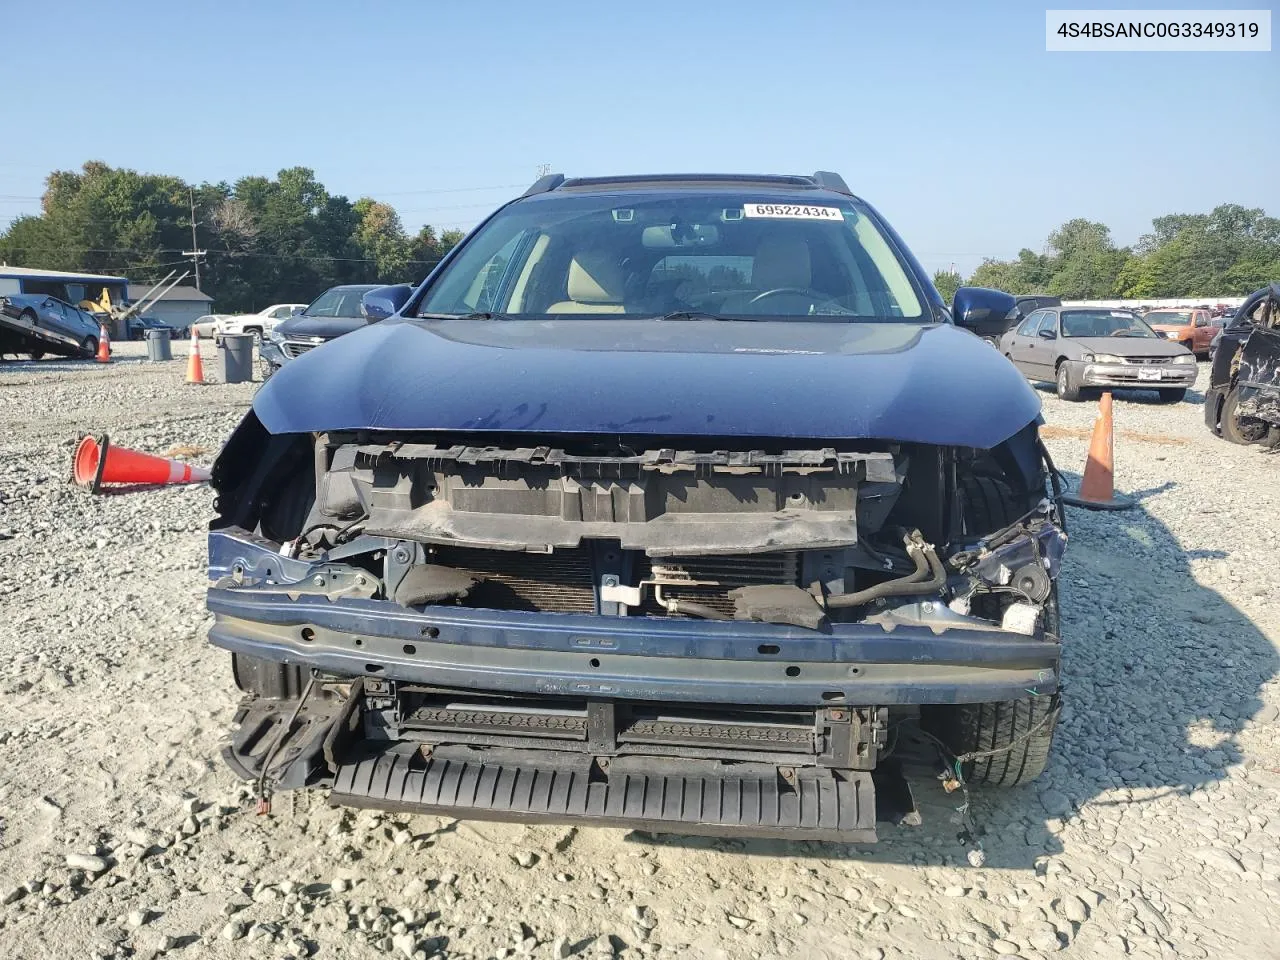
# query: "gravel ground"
1154, 833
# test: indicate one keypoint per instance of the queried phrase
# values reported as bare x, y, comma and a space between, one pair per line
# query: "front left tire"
1067, 386
1012, 737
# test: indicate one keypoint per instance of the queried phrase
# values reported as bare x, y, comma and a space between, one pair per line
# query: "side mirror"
384, 302
297, 311
1048, 335
983, 311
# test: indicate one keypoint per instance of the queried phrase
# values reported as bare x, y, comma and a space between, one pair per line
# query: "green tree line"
1230, 251
268, 239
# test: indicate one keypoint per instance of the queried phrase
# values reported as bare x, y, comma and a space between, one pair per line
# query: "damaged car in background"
670, 502
1242, 403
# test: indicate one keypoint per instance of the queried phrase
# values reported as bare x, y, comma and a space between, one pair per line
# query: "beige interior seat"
779, 262
596, 284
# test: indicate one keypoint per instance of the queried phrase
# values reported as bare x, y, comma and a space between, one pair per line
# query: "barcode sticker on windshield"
790, 211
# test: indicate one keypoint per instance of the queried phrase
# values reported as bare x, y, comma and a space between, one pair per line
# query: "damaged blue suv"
663, 501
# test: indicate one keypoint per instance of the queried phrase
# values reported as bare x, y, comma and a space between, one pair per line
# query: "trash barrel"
237, 358
158, 347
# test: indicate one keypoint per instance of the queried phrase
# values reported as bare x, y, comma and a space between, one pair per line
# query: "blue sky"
951, 118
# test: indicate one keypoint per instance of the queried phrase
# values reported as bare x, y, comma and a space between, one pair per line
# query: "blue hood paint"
892, 381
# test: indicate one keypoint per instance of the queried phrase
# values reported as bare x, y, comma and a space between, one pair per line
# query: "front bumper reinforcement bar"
644, 658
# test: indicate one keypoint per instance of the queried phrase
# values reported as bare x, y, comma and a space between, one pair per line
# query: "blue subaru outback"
667, 501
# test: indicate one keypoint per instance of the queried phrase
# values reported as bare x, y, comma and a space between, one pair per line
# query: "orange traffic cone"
1097, 487
104, 344
195, 369
96, 462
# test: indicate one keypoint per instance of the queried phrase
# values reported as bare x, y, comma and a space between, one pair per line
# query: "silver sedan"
1076, 348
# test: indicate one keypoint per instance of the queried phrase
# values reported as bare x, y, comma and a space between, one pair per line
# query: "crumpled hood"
814, 380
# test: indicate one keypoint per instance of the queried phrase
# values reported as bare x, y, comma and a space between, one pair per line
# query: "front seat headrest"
781, 262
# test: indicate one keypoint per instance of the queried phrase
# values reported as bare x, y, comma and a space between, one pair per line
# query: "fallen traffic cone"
96, 462
104, 344
195, 369
1097, 487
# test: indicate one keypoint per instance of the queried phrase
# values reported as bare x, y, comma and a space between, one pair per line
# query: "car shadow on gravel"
1160, 675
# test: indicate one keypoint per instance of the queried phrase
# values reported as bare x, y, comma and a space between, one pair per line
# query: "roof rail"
544, 184
687, 179
832, 181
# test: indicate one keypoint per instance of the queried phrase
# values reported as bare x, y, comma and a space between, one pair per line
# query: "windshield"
1176, 318
1104, 323
338, 302
650, 254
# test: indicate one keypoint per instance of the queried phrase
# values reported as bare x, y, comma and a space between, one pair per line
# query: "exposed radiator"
558, 582
731, 572
562, 582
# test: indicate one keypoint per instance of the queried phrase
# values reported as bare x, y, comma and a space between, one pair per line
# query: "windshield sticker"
1120, 313
789, 211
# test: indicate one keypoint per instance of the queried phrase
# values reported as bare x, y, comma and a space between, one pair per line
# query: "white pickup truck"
258, 324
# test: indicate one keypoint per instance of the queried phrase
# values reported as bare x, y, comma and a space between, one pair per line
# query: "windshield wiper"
484, 315
700, 315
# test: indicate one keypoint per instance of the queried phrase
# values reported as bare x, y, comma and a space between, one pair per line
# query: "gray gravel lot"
1155, 832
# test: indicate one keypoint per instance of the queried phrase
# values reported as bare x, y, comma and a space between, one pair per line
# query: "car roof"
823, 183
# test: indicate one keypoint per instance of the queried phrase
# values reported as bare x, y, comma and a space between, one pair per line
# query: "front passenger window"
1049, 324
1028, 326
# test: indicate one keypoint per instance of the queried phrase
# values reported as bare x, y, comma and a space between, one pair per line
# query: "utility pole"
195, 253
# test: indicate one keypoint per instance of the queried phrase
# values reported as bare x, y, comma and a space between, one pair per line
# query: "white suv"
259, 324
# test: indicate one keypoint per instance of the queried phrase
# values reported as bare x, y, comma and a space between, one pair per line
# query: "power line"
227, 253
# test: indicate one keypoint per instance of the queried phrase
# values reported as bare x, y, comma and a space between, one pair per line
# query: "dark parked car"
1029, 303
334, 313
1242, 402
992, 328
137, 327
663, 501
1077, 348
36, 324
